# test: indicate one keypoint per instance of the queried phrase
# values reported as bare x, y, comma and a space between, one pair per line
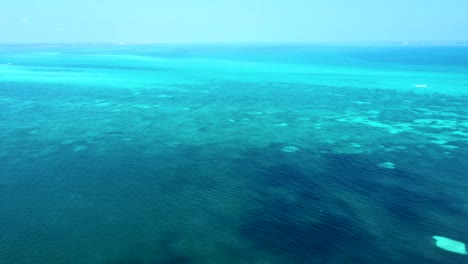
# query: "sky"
180, 21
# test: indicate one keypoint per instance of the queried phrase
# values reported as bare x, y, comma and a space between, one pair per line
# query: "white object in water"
289, 149
450, 245
420, 85
281, 124
387, 165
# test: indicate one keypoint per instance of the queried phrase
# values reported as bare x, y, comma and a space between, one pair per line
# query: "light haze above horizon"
184, 21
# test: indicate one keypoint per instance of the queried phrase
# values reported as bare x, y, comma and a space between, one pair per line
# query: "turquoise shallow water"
232, 153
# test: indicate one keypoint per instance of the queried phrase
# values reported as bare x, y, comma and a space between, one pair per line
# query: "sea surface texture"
214, 154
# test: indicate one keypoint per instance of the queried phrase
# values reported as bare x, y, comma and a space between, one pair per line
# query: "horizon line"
344, 43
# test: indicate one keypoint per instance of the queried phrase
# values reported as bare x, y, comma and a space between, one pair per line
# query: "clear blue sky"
150, 21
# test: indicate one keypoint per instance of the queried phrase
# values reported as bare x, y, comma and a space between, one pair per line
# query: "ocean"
232, 153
